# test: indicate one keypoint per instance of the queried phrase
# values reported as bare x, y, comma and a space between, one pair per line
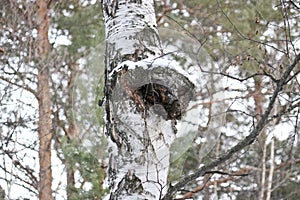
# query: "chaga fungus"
154, 93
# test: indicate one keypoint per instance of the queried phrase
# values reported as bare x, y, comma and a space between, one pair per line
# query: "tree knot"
153, 93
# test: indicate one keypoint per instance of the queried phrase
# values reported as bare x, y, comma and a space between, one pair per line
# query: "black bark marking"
136, 1
111, 8
130, 184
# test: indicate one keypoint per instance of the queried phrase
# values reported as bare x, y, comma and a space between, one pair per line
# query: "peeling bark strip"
44, 122
145, 94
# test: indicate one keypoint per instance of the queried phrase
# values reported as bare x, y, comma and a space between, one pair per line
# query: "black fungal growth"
154, 93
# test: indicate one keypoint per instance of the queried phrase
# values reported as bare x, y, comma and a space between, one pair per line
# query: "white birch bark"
272, 163
145, 96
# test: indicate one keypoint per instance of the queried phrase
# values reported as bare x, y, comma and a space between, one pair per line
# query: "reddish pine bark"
44, 121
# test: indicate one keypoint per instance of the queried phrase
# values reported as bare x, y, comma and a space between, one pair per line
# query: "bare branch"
244, 36
242, 144
20, 86
207, 182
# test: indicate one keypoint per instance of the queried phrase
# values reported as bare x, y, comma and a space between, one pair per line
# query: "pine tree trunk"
145, 95
44, 122
72, 131
71, 194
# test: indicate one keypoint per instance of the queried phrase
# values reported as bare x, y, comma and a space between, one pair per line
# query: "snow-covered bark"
146, 94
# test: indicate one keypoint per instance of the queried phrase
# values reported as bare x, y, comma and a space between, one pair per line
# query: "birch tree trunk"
44, 101
271, 173
145, 96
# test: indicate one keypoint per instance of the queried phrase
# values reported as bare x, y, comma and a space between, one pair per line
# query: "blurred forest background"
238, 48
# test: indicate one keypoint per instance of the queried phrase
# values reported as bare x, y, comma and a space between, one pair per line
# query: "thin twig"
18, 85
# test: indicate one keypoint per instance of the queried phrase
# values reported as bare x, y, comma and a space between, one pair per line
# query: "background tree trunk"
72, 131
271, 173
44, 101
259, 100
